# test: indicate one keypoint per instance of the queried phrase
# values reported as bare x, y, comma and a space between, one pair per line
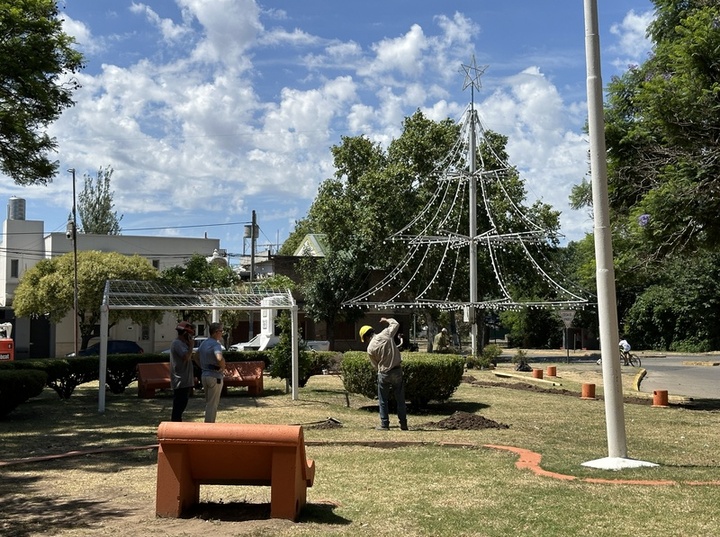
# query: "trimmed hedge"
64, 374
18, 386
428, 377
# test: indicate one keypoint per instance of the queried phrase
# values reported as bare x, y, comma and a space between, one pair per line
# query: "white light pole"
71, 234
605, 271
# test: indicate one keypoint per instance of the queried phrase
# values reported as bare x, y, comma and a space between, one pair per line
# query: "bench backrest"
154, 370
233, 453
244, 368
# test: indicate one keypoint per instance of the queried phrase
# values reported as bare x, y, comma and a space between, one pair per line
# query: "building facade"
24, 243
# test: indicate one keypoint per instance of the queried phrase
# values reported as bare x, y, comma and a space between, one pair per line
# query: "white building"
24, 243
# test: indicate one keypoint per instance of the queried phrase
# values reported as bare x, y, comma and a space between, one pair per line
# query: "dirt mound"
467, 421
330, 423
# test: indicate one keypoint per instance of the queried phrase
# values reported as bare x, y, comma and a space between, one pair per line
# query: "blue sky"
210, 109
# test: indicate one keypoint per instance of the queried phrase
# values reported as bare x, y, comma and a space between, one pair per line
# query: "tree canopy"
377, 192
48, 289
95, 205
663, 147
37, 61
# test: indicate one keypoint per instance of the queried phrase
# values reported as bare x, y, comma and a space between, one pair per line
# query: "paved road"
689, 376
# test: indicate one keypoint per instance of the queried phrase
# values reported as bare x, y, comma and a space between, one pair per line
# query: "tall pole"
253, 238
473, 231
605, 272
75, 265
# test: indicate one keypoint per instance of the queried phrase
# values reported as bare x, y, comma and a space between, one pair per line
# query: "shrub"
488, 357
281, 362
17, 386
428, 377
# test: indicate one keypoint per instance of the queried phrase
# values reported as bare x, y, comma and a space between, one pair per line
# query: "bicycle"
633, 360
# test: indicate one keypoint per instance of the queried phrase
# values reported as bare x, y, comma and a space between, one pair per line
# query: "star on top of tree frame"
473, 74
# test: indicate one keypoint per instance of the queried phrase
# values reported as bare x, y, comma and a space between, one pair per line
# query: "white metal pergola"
146, 295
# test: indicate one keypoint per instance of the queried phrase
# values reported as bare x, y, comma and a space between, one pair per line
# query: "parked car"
256, 344
114, 346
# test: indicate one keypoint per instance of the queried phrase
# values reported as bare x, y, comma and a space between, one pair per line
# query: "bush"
488, 357
428, 377
18, 386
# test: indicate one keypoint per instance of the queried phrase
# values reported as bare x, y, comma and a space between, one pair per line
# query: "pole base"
617, 463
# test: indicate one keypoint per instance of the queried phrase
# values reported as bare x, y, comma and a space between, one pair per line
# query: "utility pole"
71, 233
253, 238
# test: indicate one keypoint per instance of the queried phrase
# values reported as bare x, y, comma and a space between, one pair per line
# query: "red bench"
152, 377
191, 454
248, 374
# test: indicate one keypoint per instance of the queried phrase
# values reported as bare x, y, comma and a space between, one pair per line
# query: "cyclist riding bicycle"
625, 356
625, 351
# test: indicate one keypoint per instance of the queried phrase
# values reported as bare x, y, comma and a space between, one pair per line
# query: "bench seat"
151, 377
248, 374
191, 454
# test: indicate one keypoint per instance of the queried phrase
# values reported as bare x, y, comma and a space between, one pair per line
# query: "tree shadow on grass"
699, 404
27, 512
439, 409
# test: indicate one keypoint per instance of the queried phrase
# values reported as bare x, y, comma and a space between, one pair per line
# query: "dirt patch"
330, 423
528, 387
466, 421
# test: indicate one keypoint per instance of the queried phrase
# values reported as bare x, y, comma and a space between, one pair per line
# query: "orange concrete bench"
191, 454
248, 374
152, 377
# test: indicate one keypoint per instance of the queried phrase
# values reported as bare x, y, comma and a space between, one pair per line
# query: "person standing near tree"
385, 357
182, 378
212, 364
441, 342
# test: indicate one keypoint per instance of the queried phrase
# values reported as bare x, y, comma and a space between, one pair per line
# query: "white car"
256, 344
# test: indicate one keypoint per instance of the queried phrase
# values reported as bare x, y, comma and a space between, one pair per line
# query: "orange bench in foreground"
192, 454
248, 374
151, 377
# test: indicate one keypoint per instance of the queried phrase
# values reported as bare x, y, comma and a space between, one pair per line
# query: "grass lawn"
425, 481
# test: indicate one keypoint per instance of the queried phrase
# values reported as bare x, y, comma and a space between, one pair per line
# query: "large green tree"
197, 273
95, 205
663, 146
48, 289
376, 193
37, 61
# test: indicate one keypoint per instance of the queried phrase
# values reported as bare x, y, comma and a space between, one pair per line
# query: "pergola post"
295, 353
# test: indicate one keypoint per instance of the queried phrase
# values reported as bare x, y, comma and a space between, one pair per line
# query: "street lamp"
71, 233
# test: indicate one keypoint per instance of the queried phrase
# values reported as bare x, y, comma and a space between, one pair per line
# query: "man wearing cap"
385, 357
182, 378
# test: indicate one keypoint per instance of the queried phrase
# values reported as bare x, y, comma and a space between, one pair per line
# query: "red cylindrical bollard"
660, 398
551, 371
588, 391
537, 373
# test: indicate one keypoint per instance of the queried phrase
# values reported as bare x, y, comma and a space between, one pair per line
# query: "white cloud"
543, 142
401, 54
169, 30
632, 42
86, 42
230, 28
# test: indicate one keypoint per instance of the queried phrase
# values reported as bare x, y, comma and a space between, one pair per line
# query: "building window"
14, 268
156, 264
145, 332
